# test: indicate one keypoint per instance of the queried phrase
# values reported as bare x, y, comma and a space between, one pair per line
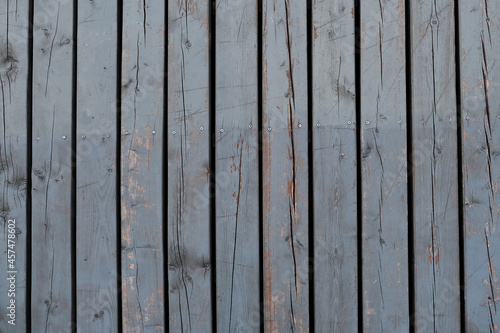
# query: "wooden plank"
383, 162
13, 160
52, 174
189, 259
285, 166
334, 174
237, 177
143, 45
435, 177
96, 281
479, 31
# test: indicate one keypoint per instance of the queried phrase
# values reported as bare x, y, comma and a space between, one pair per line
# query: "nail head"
83, 137
174, 132
300, 125
154, 132
221, 130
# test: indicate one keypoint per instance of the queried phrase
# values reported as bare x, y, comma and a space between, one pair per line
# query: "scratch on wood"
289, 47
240, 146
51, 49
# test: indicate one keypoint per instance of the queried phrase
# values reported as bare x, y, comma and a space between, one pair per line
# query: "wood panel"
285, 166
142, 183
383, 163
51, 297
13, 160
334, 173
479, 52
97, 139
188, 212
435, 195
237, 176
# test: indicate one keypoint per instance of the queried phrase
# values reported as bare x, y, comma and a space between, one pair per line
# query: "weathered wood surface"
383, 162
188, 212
51, 297
435, 168
237, 176
285, 165
480, 77
13, 157
96, 162
334, 174
142, 180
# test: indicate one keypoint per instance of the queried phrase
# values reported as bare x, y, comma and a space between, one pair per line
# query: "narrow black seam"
461, 223
212, 161
166, 287
359, 193
260, 97
73, 170
310, 148
29, 118
409, 171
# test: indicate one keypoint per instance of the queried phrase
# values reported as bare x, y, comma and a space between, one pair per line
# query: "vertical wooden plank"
188, 167
479, 32
141, 165
383, 162
14, 25
285, 166
97, 303
334, 174
435, 197
51, 193
237, 176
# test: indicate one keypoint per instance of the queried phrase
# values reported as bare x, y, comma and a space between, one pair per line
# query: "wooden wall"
249, 166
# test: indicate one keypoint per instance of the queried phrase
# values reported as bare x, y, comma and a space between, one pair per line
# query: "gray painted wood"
479, 31
13, 156
188, 215
383, 162
142, 183
96, 143
51, 295
334, 174
437, 292
237, 180
285, 166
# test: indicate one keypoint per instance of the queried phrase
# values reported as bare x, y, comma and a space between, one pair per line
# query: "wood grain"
383, 165
189, 261
13, 157
435, 197
97, 139
143, 51
285, 166
237, 176
51, 297
479, 51
334, 173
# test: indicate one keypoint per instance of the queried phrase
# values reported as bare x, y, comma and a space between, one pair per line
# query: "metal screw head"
422, 121
300, 125
367, 122
84, 137
153, 132
221, 130
467, 118
250, 126
400, 122
349, 122
37, 139
318, 125
449, 119
18, 139
108, 135
434, 21
269, 129
201, 128
174, 132
127, 132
